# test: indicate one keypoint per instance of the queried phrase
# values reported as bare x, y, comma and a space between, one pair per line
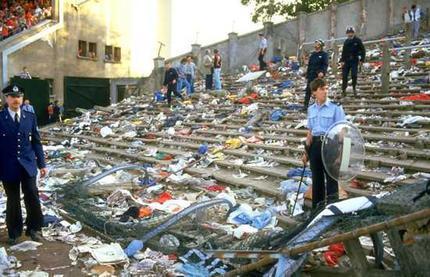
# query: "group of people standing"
212, 69
324, 113
353, 55
184, 75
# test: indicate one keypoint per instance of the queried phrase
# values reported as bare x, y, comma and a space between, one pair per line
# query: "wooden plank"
279, 172
324, 271
406, 262
358, 259
371, 176
421, 166
264, 187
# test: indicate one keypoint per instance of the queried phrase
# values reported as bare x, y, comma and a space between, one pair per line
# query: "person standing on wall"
321, 115
317, 68
415, 16
208, 69
21, 155
353, 54
217, 69
262, 51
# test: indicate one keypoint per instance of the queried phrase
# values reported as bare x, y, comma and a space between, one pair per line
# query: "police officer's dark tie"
16, 119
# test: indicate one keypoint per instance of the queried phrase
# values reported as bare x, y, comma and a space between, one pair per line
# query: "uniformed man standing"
353, 54
321, 115
262, 49
21, 154
317, 68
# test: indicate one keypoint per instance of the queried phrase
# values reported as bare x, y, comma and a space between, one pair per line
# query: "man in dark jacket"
317, 68
21, 155
170, 80
353, 54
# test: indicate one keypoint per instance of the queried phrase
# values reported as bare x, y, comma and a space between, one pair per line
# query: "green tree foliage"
266, 9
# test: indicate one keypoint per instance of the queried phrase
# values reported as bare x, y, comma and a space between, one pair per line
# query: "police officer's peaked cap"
13, 90
350, 29
320, 42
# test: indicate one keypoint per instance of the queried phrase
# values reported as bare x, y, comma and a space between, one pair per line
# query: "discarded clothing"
294, 107
334, 252
297, 172
198, 264
233, 143
163, 197
288, 186
245, 215
287, 84
409, 120
277, 115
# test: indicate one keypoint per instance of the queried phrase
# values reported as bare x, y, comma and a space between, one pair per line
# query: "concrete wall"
371, 18
317, 25
347, 14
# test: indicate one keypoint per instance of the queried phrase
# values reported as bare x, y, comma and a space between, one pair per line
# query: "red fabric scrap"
331, 259
245, 100
335, 251
216, 188
163, 197
417, 97
150, 136
338, 248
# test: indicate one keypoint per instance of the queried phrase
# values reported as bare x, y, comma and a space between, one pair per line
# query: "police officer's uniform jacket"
20, 146
318, 62
353, 50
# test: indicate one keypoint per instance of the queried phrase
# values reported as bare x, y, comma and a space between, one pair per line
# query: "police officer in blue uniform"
317, 68
353, 54
321, 115
21, 155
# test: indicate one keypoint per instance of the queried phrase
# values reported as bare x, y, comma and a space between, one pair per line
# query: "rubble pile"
221, 170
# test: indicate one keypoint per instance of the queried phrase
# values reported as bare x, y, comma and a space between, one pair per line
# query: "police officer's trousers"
263, 64
308, 93
322, 183
349, 66
34, 220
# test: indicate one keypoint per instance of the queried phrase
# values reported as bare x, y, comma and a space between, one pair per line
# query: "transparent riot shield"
343, 151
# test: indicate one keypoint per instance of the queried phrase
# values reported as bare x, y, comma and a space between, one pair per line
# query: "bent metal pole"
395, 222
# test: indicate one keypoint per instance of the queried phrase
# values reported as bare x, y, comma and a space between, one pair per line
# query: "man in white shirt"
208, 69
262, 51
415, 15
